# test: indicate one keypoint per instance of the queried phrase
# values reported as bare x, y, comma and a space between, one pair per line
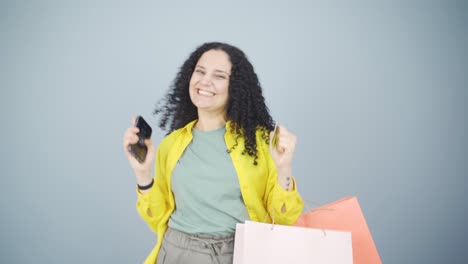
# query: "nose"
205, 80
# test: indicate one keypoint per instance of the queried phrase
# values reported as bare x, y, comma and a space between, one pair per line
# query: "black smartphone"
139, 149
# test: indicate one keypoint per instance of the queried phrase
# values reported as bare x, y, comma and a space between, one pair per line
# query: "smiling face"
209, 85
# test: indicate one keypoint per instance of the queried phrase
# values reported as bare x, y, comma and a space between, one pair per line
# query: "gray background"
376, 93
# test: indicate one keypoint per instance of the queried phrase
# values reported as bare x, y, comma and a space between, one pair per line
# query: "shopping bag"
257, 243
345, 215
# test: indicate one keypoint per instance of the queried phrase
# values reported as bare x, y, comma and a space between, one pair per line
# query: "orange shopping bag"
345, 215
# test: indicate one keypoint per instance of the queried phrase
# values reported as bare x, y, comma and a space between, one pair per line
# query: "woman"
215, 168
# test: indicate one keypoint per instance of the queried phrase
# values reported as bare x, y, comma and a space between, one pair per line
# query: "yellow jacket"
263, 196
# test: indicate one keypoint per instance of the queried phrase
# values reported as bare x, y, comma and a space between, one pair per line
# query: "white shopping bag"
267, 243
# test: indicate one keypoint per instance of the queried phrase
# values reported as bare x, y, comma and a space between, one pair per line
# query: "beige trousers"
179, 248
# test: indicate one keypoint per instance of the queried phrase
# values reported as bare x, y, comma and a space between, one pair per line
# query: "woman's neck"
208, 121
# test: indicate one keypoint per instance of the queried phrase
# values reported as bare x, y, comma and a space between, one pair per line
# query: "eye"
199, 71
220, 77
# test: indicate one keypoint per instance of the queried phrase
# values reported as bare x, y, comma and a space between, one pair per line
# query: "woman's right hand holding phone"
143, 171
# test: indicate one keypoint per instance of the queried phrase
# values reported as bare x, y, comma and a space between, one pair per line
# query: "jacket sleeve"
284, 207
152, 205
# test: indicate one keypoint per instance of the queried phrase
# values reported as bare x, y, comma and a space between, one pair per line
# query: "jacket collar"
229, 136
188, 128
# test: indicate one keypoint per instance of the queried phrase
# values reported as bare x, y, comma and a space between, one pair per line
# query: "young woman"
215, 168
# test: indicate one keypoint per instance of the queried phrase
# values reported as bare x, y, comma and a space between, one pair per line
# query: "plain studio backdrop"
376, 93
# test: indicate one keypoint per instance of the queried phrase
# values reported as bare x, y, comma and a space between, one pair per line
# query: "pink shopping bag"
257, 243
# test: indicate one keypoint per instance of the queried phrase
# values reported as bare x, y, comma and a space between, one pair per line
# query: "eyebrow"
199, 66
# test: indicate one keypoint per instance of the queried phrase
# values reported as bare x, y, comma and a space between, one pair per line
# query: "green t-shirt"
206, 187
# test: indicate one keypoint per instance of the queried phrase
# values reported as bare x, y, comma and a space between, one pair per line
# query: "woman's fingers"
287, 143
130, 137
142, 170
286, 140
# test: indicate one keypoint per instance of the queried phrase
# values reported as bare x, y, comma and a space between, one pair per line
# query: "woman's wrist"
144, 180
142, 173
146, 186
285, 178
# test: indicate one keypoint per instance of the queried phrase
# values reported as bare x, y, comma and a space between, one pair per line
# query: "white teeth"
205, 93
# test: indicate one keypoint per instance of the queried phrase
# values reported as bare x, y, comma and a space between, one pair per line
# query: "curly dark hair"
246, 108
